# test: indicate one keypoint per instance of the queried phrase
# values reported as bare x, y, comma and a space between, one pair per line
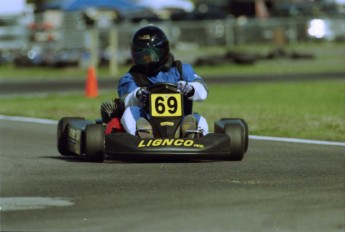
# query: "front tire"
237, 141
94, 143
62, 135
246, 130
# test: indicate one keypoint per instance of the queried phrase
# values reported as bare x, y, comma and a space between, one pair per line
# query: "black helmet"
150, 49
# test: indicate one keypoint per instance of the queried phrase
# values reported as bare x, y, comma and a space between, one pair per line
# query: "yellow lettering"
178, 142
188, 143
144, 37
157, 142
142, 143
149, 143
167, 142
167, 124
199, 145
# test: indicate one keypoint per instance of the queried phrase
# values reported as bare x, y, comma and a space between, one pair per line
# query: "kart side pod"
237, 130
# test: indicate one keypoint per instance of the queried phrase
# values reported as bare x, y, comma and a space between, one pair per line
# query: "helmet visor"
146, 56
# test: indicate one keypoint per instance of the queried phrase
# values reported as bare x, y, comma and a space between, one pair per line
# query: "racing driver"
154, 63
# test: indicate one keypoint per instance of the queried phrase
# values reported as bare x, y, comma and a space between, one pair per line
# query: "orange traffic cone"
91, 88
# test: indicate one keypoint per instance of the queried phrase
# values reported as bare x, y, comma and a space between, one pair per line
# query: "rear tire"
62, 135
94, 143
236, 133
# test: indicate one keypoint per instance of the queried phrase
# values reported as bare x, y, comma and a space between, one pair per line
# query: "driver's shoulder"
126, 77
187, 72
186, 65
181, 67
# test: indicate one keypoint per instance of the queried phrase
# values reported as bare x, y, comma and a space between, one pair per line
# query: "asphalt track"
279, 186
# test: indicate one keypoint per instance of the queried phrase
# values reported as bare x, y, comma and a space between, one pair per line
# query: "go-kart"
87, 138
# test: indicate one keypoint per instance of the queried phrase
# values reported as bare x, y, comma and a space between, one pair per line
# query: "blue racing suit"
127, 88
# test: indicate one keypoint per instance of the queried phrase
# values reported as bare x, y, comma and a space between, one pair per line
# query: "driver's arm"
194, 80
200, 91
130, 99
127, 90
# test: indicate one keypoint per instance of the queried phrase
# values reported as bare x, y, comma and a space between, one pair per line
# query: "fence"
107, 40
232, 32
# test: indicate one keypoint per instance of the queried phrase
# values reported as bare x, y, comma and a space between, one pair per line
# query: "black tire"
94, 143
241, 57
246, 134
246, 130
237, 141
62, 135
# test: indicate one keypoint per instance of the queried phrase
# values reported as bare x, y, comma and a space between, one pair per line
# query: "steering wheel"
163, 87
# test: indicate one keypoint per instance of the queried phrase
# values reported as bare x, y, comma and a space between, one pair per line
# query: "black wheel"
246, 130
62, 135
237, 141
94, 143
246, 134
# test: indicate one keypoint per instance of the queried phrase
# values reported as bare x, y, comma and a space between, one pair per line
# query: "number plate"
166, 105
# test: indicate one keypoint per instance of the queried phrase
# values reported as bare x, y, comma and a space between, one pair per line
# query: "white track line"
294, 140
255, 137
26, 119
29, 203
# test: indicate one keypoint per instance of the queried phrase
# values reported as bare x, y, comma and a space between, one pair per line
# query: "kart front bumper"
210, 146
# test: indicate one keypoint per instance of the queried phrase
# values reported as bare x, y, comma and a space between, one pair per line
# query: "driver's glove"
143, 95
186, 89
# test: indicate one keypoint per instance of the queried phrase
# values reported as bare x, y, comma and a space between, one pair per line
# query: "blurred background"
81, 33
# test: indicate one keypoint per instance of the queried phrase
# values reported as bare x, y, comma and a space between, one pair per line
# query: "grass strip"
310, 110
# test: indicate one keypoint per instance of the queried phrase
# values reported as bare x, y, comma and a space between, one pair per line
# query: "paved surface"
279, 186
